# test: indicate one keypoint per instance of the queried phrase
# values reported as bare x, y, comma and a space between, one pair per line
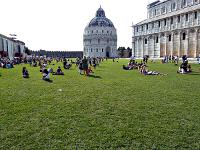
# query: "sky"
58, 25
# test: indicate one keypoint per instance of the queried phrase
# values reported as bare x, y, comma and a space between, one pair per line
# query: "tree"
129, 51
121, 51
27, 51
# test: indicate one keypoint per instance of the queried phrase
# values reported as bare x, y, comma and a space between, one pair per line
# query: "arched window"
163, 9
173, 6
186, 17
157, 39
184, 36
145, 41
107, 40
184, 2
170, 38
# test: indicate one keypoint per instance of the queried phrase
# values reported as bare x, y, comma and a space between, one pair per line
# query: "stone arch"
169, 42
145, 41
151, 46
198, 42
156, 46
176, 43
183, 43
192, 43
108, 51
140, 47
162, 45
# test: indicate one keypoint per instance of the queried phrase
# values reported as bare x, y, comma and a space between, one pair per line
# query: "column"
137, 48
165, 45
178, 44
133, 47
172, 44
196, 43
142, 47
187, 43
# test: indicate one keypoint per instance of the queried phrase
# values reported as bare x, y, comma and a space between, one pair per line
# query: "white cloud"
59, 24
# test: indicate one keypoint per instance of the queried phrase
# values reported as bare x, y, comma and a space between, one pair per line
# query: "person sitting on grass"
25, 73
46, 74
144, 71
66, 65
58, 72
89, 71
189, 68
184, 68
34, 64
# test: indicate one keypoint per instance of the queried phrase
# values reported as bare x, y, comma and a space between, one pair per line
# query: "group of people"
141, 67
133, 65
7, 63
45, 73
84, 65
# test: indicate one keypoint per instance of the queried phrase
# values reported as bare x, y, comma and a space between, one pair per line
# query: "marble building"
11, 48
100, 37
172, 28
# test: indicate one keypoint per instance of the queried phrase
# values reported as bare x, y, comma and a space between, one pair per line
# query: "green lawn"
116, 110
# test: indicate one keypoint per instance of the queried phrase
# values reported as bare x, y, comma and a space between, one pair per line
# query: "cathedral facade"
172, 28
100, 37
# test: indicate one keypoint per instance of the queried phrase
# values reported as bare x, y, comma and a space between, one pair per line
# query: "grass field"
115, 109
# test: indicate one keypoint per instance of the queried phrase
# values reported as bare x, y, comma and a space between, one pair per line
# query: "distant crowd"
85, 65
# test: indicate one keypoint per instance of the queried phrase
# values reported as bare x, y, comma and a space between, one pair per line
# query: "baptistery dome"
100, 37
100, 20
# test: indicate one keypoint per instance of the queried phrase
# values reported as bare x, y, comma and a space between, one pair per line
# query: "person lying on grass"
127, 67
25, 73
145, 71
58, 72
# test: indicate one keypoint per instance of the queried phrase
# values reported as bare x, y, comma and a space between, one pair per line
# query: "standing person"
85, 65
80, 67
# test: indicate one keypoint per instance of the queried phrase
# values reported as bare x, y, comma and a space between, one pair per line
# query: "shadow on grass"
48, 80
93, 76
195, 73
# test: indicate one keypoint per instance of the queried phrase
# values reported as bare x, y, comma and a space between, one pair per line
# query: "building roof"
100, 20
11, 39
167, 15
155, 3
